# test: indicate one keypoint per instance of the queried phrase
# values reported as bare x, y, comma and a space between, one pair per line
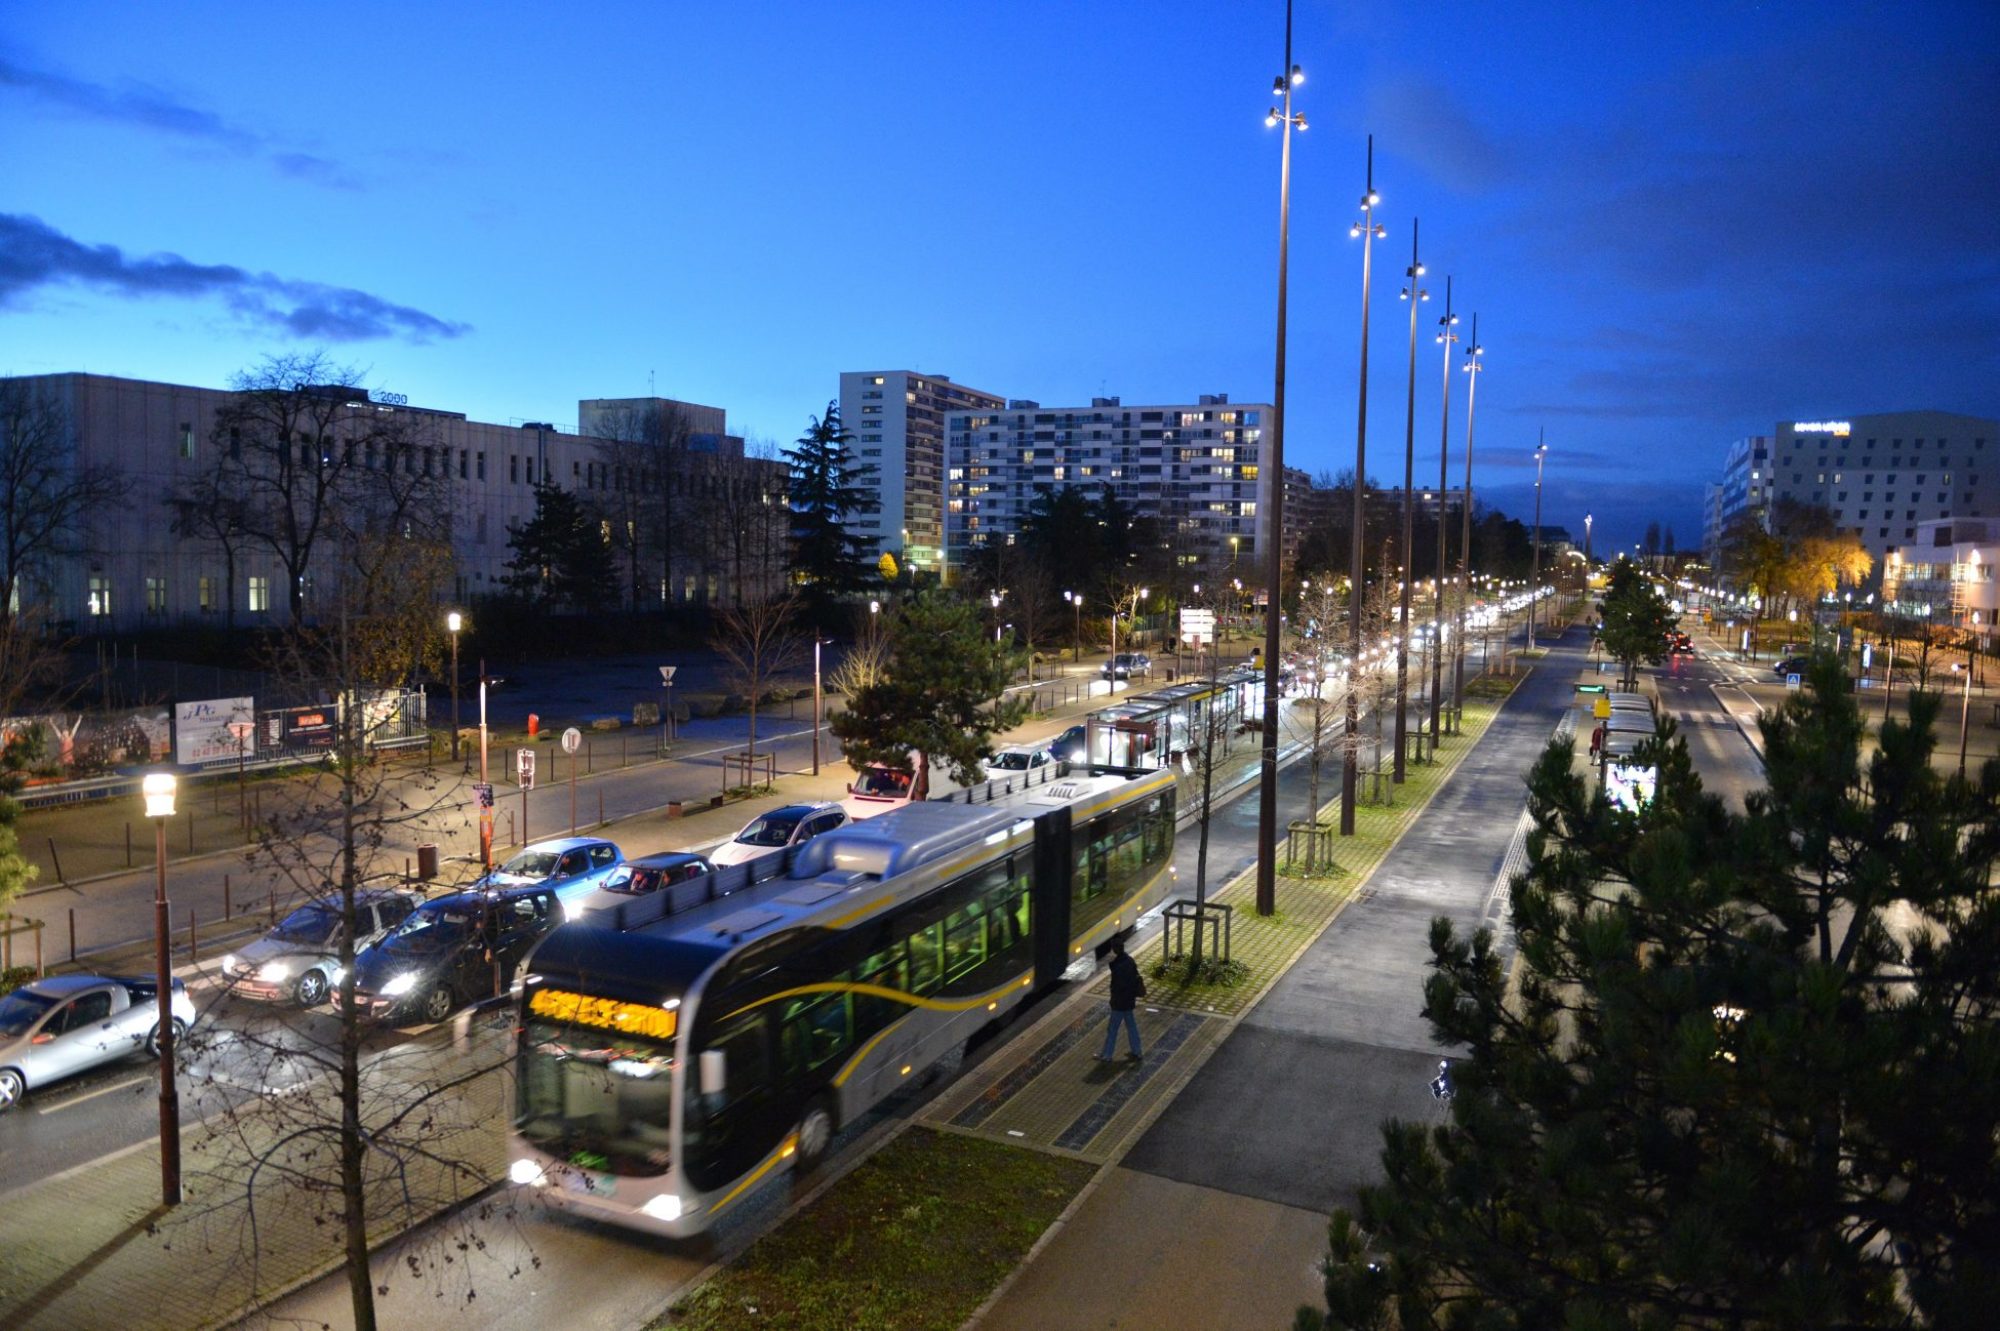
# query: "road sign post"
667, 712
572, 740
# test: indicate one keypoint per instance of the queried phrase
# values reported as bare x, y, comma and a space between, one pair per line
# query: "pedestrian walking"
1127, 988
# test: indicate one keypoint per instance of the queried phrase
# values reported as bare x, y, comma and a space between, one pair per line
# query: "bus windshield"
596, 1099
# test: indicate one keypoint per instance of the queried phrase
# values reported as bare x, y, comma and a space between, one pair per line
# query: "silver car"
295, 961
64, 1024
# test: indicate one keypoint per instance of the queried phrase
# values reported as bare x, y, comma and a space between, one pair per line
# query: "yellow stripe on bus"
785, 1148
881, 991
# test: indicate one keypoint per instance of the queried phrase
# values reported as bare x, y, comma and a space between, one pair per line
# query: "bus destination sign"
607, 1013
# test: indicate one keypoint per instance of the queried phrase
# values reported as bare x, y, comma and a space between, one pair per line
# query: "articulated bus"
678, 1051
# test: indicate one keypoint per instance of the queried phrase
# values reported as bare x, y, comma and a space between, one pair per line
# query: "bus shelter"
1164, 727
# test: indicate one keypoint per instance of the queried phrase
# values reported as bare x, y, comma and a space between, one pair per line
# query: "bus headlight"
527, 1173
666, 1206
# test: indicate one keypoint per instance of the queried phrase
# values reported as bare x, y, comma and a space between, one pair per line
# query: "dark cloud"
34, 254
150, 108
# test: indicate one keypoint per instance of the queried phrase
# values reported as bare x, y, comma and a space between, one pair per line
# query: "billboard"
201, 729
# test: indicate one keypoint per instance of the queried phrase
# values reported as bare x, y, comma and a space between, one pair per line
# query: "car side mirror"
714, 1071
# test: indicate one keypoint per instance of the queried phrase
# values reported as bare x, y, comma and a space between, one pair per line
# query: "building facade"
1944, 575
1194, 467
135, 568
897, 418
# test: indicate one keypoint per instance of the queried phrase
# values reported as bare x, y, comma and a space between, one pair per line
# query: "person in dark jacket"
1126, 991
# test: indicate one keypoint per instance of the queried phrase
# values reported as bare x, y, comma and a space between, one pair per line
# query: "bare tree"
398, 1141
646, 450
757, 643
1314, 718
208, 509
46, 493
746, 521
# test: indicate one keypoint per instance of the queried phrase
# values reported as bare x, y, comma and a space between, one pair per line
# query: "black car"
452, 950
1068, 747
1791, 665
650, 873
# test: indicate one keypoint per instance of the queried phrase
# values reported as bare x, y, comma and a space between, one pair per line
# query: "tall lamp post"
453, 622
1076, 603
1446, 336
485, 787
1535, 577
158, 789
1416, 295
1289, 77
1964, 710
1586, 550
1368, 229
817, 640
1472, 367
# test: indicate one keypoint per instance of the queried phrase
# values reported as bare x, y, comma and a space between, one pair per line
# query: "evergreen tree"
1636, 620
938, 697
1749, 1076
828, 559
561, 555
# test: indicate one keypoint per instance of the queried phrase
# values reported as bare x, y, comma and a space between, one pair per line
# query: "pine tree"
939, 696
1636, 620
828, 559
1751, 1074
561, 555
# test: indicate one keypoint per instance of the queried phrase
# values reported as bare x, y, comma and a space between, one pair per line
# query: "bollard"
227, 910
72, 935
621, 753
193, 946
58, 861
274, 908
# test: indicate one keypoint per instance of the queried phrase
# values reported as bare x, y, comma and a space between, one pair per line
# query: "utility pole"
1446, 336
1472, 368
1416, 295
1368, 229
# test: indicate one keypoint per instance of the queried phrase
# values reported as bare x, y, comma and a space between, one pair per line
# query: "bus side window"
925, 966
816, 1031
884, 970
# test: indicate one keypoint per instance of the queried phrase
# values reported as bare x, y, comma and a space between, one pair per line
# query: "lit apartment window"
100, 595
260, 594
156, 596
204, 593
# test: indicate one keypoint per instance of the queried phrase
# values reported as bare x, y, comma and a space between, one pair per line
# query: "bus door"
727, 1131
1050, 910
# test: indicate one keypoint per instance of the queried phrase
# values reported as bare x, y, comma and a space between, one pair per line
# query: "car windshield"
883, 783
585, 1091
640, 880
1012, 762
773, 829
433, 926
536, 864
309, 926
20, 1010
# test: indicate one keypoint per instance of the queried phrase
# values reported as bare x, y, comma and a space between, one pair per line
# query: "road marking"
75, 1100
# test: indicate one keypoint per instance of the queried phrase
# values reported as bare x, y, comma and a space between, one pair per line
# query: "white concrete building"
133, 572
1196, 467
897, 419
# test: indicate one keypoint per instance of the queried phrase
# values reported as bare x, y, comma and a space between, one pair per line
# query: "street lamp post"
1446, 336
1368, 229
1473, 365
1290, 76
1416, 295
1586, 548
1964, 710
817, 640
1535, 578
1076, 603
486, 789
453, 622
158, 789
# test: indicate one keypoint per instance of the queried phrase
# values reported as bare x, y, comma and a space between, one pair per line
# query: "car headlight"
666, 1206
400, 985
275, 972
527, 1173
334, 975
229, 966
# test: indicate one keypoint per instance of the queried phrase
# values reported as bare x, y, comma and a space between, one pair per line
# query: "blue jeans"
1130, 1021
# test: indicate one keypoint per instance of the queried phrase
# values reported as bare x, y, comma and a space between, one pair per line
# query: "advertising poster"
201, 729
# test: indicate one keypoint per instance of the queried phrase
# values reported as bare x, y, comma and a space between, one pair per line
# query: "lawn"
913, 1240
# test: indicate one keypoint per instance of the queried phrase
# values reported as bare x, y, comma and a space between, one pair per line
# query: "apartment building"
1195, 467
897, 418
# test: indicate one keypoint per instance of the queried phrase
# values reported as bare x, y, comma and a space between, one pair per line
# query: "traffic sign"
524, 767
572, 740
667, 674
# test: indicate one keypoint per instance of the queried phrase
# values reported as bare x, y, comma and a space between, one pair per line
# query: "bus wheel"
815, 1135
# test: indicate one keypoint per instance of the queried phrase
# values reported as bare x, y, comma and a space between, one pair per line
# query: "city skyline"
1676, 231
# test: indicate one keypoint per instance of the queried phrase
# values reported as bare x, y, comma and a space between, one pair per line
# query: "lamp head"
1271, 118
158, 788
454, 621
1298, 76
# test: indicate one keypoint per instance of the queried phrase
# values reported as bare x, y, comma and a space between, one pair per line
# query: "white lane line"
76, 1100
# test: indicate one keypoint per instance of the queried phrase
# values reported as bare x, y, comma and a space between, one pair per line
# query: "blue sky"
1678, 224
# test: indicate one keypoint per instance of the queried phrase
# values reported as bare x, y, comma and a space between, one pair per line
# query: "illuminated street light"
1473, 365
1416, 295
158, 790
1446, 336
453, 622
1368, 229
1535, 579
1267, 787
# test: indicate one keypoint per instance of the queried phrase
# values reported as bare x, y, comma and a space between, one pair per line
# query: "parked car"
295, 961
54, 1027
452, 950
878, 790
1128, 665
650, 873
1020, 758
766, 834
574, 866
1791, 665
1072, 746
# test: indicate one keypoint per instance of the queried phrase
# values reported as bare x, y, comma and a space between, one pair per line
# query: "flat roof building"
897, 419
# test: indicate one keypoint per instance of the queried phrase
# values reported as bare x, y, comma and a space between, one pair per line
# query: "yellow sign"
608, 1013
1602, 709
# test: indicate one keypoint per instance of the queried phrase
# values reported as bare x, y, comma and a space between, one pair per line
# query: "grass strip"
913, 1240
